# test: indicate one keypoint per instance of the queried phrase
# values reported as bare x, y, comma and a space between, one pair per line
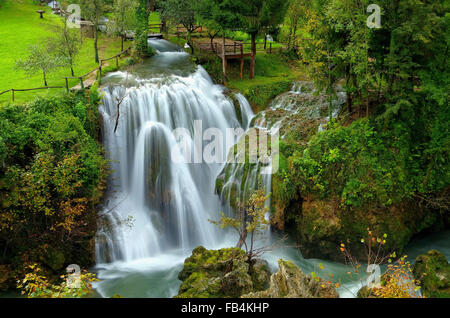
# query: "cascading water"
157, 209
157, 206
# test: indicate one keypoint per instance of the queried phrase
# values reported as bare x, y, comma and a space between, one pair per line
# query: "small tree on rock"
250, 221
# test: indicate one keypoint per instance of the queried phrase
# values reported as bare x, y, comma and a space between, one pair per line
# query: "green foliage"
123, 18
66, 45
250, 220
94, 10
141, 31
36, 285
52, 175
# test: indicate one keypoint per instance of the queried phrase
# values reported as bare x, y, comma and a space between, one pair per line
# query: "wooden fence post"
81, 83
270, 47
224, 60
67, 84
242, 61
117, 61
12, 94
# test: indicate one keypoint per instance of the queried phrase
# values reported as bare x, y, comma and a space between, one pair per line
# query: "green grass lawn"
21, 26
274, 75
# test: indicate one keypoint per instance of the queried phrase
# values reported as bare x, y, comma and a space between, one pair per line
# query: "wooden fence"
99, 68
13, 90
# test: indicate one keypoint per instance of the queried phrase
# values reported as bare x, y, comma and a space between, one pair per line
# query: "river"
157, 210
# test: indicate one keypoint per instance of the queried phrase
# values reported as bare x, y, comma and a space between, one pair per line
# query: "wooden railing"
268, 47
235, 48
13, 90
99, 68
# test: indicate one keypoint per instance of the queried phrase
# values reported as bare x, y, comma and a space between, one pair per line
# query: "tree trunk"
121, 45
252, 63
189, 42
224, 60
71, 70
211, 38
294, 35
349, 94
265, 41
244, 233
290, 36
96, 43
45, 79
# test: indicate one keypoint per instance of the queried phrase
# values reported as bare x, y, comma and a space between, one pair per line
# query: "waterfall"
246, 111
154, 204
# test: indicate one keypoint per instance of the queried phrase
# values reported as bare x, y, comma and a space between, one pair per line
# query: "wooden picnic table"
41, 12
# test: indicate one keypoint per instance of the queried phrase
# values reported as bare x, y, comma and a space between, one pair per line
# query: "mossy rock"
291, 282
220, 273
432, 270
322, 225
260, 274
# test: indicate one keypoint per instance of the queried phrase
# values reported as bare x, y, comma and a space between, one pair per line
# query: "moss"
433, 271
220, 273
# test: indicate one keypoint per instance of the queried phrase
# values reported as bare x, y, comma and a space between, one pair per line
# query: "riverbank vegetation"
378, 160
52, 178
389, 170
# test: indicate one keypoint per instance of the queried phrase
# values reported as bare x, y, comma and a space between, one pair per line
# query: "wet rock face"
433, 271
291, 282
221, 273
321, 225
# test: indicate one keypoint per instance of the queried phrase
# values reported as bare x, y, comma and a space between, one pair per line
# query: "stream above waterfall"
157, 210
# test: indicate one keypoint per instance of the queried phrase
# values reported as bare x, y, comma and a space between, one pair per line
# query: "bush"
52, 177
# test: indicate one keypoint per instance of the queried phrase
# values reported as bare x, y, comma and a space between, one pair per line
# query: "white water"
158, 210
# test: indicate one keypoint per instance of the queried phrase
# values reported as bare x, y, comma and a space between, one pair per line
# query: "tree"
39, 59
182, 12
249, 221
207, 15
123, 18
141, 32
256, 17
93, 10
295, 13
66, 44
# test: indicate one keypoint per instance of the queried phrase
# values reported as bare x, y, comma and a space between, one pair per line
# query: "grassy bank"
30, 29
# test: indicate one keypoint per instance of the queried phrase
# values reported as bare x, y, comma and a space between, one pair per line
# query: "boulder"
221, 273
291, 282
432, 270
